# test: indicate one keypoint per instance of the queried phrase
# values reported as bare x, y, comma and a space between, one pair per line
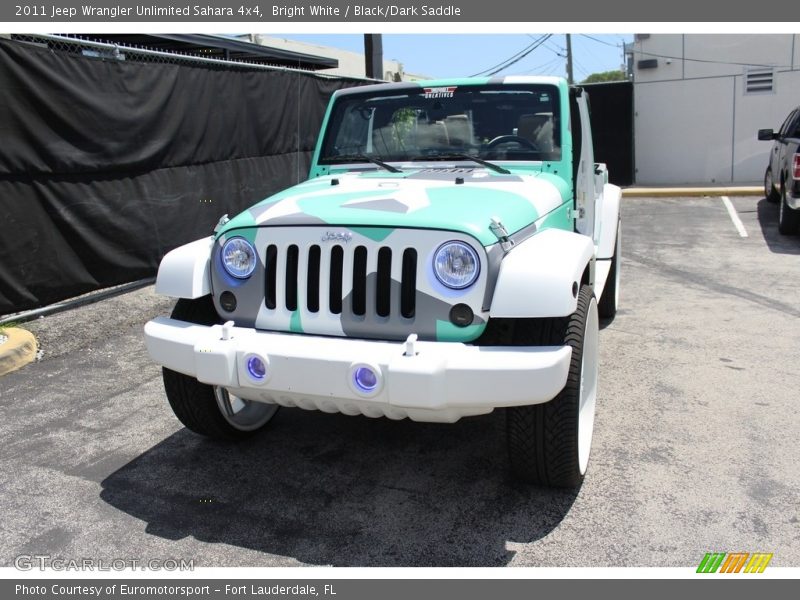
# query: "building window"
759, 81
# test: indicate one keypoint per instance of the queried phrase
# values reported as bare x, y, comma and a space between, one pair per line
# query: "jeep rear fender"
538, 276
606, 227
184, 271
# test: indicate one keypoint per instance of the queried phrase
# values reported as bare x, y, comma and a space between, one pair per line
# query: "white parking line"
737, 222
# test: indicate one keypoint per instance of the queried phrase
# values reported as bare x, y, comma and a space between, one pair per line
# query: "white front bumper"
442, 382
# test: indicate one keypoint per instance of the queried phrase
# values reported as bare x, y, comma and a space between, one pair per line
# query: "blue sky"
448, 55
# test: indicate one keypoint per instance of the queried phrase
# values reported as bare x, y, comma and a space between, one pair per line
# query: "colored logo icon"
734, 562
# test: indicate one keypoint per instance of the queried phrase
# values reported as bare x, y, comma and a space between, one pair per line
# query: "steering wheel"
517, 139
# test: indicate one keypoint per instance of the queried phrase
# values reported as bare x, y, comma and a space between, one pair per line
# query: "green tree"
606, 76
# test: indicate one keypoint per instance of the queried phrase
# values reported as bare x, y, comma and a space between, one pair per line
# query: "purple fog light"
365, 379
256, 368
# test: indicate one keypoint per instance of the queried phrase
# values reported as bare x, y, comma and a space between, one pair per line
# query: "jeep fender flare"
607, 221
541, 276
185, 271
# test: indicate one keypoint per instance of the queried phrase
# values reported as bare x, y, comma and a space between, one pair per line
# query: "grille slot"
383, 282
359, 294
408, 286
337, 269
291, 277
312, 280
270, 277
383, 288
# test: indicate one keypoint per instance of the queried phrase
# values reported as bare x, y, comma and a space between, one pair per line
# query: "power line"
599, 41
716, 62
557, 51
514, 58
540, 69
521, 57
553, 47
580, 67
557, 69
506, 60
593, 58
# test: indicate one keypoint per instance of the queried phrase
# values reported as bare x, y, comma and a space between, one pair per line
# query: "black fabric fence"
105, 164
612, 128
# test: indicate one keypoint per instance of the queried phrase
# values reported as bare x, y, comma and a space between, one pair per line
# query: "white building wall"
351, 64
760, 111
679, 139
693, 121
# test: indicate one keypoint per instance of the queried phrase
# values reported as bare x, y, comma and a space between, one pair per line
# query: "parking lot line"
737, 222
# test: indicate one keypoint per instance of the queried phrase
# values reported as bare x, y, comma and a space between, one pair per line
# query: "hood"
457, 199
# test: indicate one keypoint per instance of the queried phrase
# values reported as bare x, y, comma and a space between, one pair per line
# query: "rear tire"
206, 409
769, 187
607, 307
548, 444
788, 218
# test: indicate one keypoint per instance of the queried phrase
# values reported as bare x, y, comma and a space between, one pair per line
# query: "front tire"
788, 218
207, 409
548, 444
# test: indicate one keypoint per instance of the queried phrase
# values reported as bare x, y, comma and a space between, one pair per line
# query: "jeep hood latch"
501, 233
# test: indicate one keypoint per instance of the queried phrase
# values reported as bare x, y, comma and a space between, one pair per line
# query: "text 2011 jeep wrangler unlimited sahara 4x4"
448, 255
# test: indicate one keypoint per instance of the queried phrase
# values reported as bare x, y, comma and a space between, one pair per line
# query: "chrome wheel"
618, 256
768, 185
587, 398
244, 415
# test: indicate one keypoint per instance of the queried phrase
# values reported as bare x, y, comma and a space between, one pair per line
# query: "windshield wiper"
363, 158
465, 156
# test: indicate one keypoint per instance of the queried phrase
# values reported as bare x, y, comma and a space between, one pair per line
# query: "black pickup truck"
782, 178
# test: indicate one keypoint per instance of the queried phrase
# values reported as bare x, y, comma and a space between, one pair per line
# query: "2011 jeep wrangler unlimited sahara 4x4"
449, 255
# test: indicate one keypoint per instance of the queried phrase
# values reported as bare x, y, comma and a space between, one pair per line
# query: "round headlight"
456, 265
239, 257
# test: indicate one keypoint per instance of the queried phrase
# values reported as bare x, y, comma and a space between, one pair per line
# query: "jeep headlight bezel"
238, 257
456, 265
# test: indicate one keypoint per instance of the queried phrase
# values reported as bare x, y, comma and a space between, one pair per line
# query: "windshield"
500, 122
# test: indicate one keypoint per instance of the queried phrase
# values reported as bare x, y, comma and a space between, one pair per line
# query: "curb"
17, 351
661, 192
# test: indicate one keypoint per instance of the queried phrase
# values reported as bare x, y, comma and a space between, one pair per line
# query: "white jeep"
450, 254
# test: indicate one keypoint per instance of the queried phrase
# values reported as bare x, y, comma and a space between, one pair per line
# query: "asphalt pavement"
695, 445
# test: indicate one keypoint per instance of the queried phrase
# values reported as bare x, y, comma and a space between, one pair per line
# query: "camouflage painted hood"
457, 199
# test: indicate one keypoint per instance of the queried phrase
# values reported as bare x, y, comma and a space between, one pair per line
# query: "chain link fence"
213, 58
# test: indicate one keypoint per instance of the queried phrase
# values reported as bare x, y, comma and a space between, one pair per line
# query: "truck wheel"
607, 307
548, 444
769, 187
208, 409
788, 218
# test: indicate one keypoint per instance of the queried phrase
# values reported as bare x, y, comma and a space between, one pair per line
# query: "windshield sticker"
439, 92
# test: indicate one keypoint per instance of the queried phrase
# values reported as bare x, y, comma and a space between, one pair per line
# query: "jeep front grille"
364, 282
315, 276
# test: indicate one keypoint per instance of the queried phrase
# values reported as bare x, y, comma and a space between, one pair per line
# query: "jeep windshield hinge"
501, 233
576, 213
223, 220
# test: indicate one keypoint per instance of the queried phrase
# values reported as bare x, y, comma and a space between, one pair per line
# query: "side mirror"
767, 134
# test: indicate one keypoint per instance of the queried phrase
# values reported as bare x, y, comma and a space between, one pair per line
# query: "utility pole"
570, 79
373, 55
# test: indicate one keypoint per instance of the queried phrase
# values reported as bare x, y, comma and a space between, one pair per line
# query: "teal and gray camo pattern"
419, 208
